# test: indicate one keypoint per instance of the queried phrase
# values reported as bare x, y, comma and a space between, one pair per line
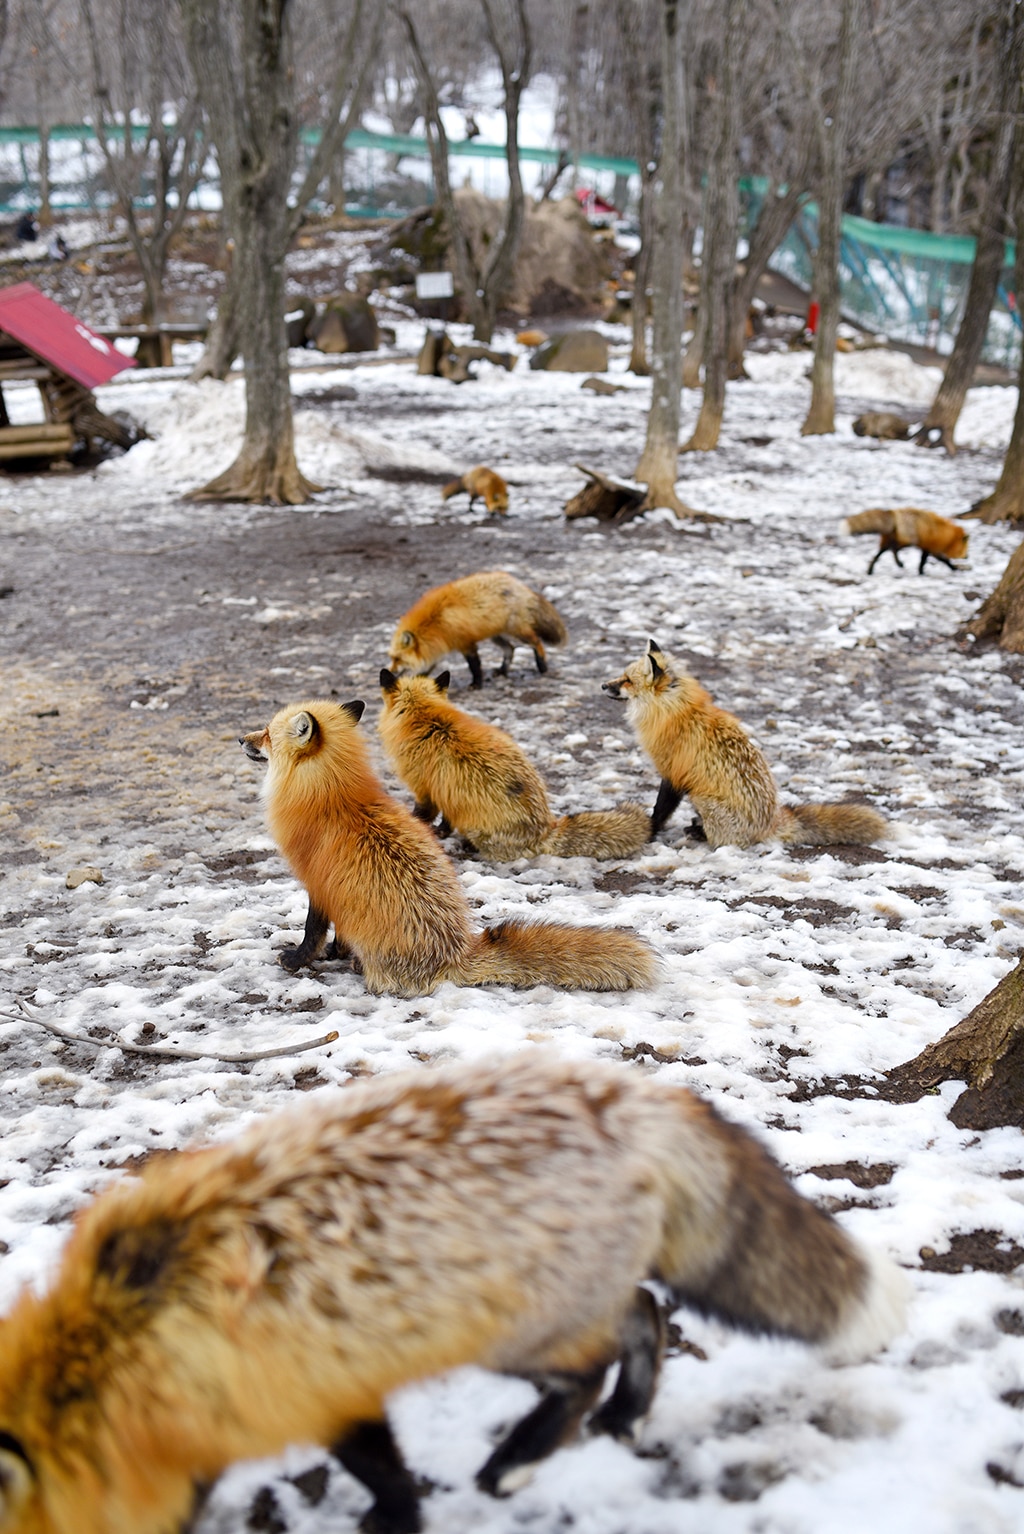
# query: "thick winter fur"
702, 751
905, 527
884, 424
479, 482
456, 617
275, 1288
481, 783
380, 875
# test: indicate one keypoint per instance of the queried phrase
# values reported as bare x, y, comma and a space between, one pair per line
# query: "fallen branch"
171, 1051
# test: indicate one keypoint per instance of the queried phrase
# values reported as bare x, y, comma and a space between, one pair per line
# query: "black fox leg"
566, 1399
475, 669
540, 658
643, 1347
942, 557
443, 827
896, 554
665, 805
924, 556
426, 810
369, 1452
507, 652
312, 941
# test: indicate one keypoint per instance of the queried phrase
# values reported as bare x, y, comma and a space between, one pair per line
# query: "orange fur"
456, 617
702, 751
483, 785
906, 527
380, 876
477, 482
275, 1288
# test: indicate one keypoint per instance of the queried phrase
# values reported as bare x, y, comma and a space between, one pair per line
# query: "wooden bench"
155, 349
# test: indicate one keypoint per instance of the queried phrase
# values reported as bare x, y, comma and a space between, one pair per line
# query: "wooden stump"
610, 500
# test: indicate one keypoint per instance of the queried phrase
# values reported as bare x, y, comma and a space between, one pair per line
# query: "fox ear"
354, 709
653, 647
388, 680
656, 670
443, 682
304, 728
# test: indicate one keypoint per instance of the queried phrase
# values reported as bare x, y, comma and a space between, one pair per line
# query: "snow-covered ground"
785, 973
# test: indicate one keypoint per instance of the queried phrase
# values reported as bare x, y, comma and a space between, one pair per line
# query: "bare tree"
482, 283
632, 42
138, 65
658, 466
940, 423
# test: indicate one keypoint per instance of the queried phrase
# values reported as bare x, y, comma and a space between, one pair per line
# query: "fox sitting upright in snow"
702, 751
482, 784
907, 528
276, 1288
382, 878
478, 482
456, 617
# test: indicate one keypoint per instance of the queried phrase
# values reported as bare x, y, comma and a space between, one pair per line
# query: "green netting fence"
907, 283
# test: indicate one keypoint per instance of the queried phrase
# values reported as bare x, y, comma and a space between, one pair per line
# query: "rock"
884, 424
346, 324
84, 875
576, 351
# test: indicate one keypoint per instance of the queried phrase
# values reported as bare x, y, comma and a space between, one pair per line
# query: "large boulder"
346, 324
575, 351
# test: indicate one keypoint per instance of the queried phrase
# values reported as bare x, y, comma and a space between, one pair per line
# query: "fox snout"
615, 688
253, 745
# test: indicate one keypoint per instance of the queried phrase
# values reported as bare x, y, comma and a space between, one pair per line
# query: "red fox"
478, 482
478, 780
702, 751
275, 1288
907, 528
490, 605
381, 877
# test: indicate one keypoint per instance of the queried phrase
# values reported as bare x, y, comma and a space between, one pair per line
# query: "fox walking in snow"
456, 617
479, 482
702, 751
482, 784
380, 875
907, 528
275, 1288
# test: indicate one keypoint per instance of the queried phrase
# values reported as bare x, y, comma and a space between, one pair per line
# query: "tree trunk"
1006, 502
638, 362
821, 414
986, 1050
777, 213
45, 213
658, 466
1001, 616
723, 221
940, 422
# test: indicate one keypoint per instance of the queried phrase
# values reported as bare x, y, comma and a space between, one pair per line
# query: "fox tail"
616, 833
547, 953
547, 621
819, 825
879, 521
453, 487
754, 1253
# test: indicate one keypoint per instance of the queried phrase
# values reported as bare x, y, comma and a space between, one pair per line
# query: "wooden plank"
37, 431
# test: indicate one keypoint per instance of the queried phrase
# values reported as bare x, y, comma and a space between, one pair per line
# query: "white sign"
434, 285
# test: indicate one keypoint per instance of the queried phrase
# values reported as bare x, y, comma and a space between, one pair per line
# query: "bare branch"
170, 1051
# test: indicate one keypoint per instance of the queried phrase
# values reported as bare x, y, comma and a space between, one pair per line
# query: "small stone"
84, 875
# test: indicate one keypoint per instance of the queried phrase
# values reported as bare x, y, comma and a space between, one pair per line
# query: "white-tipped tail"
876, 1317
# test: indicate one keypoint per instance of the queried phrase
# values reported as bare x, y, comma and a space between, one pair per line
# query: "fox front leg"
475, 669
317, 923
643, 1348
369, 1452
665, 806
567, 1398
507, 652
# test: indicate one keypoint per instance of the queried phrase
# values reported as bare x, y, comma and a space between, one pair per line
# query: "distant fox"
381, 877
482, 784
702, 751
884, 424
275, 1288
478, 482
906, 527
456, 617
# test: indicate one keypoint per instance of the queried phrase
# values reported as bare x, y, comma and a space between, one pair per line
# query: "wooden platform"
40, 439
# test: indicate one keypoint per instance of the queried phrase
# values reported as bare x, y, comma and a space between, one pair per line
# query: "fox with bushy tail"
381, 877
275, 1288
478, 482
702, 751
481, 783
456, 617
905, 527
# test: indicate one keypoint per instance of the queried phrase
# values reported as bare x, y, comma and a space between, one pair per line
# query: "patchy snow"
784, 971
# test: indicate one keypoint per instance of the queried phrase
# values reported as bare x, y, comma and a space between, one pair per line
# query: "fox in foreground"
702, 751
382, 878
482, 784
275, 1288
457, 616
907, 528
478, 482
